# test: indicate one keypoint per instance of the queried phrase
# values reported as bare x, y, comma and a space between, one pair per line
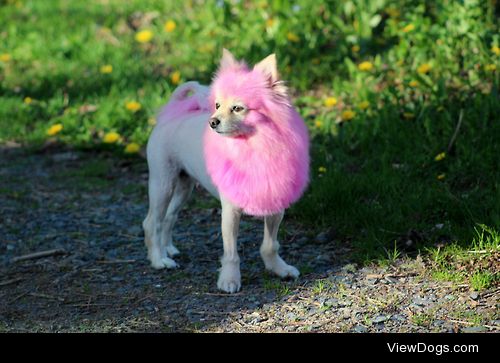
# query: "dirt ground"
86, 209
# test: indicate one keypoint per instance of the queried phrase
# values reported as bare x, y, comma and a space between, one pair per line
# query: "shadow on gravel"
83, 212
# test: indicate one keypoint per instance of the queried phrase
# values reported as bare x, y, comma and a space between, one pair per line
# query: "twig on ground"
11, 281
45, 296
40, 254
112, 262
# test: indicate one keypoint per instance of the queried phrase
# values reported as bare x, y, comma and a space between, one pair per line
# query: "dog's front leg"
229, 276
270, 246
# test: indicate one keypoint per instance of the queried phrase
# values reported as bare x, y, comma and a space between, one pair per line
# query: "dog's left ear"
228, 60
269, 68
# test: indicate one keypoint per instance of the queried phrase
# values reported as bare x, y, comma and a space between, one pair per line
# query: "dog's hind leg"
270, 246
229, 275
161, 189
182, 190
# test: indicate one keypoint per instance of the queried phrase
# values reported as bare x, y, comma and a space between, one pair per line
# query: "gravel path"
89, 207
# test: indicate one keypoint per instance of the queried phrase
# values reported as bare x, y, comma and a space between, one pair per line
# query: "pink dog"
243, 141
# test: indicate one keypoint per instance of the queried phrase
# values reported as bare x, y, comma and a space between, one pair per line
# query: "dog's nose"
214, 122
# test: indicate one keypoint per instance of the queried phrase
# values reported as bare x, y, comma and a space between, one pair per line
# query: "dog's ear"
268, 66
228, 60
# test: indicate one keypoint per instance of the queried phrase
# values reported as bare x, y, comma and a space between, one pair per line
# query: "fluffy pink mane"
266, 171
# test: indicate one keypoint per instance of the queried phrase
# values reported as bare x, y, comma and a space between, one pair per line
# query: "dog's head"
241, 97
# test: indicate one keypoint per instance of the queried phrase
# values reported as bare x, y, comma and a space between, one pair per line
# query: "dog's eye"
217, 106
237, 109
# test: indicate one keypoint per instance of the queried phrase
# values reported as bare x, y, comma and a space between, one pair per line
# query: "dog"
242, 140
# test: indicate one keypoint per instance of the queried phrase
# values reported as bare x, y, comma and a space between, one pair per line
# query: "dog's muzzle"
214, 122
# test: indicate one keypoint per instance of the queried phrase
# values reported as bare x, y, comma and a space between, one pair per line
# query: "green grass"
475, 263
281, 288
422, 319
430, 86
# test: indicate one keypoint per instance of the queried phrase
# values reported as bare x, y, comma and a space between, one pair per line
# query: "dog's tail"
191, 97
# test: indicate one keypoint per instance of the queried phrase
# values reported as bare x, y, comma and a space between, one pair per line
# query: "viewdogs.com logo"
437, 349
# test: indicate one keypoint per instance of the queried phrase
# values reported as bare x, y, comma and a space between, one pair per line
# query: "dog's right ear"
228, 60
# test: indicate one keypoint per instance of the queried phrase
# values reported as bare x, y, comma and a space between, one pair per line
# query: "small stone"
291, 316
474, 295
438, 322
450, 297
420, 301
391, 280
360, 329
398, 317
380, 319
332, 302
322, 237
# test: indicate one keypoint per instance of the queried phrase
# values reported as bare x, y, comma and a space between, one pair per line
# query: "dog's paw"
282, 269
164, 262
229, 286
229, 279
287, 271
172, 250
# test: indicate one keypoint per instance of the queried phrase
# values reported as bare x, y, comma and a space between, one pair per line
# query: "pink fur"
185, 100
266, 171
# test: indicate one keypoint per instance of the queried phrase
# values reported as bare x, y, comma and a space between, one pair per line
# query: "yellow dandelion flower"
175, 77
355, 48
318, 124
322, 169
441, 176
28, 100
54, 129
495, 50
132, 148
440, 156
424, 68
490, 67
292, 37
269, 23
408, 115
111, 137
365, 66
348, 115
170, 26
330, 101
363, 105
408, 28
413, 83
107, 68
144, 36
5, 57
133, 106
